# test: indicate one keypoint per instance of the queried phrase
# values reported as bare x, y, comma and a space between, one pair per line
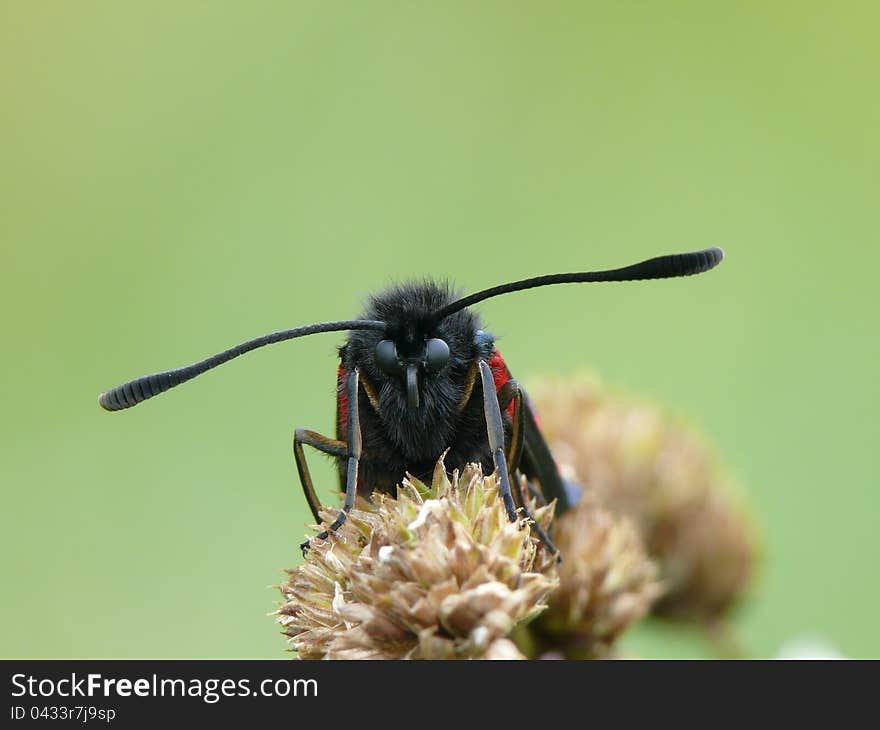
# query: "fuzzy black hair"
408, 309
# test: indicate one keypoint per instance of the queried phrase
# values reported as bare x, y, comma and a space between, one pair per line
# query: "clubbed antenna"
138, 390
662, 267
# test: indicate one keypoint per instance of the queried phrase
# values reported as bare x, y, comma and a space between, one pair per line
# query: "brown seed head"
436, 573
637, 461
606, 583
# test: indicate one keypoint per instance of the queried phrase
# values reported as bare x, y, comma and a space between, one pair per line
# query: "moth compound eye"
436, 355
386, 357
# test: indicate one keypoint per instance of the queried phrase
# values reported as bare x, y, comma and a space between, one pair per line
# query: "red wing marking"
500, 374
341, 403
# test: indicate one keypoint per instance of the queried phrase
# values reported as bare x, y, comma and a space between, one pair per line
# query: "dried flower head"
436, 573
636, 461
606, 583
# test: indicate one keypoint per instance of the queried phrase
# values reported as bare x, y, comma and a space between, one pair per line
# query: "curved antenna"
662, 267
138, 390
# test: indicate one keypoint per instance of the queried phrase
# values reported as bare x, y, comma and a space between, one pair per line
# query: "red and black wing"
537, 462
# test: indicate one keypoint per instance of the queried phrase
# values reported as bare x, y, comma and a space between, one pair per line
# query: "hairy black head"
417, 383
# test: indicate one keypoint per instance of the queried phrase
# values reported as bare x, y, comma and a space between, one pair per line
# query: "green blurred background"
178, 177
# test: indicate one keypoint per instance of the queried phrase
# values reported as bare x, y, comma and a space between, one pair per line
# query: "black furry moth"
418, 375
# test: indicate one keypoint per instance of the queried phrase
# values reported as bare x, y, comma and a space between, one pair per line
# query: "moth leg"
350, 448
511, 391
331, 447
536, 494
353, 434
495, 432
